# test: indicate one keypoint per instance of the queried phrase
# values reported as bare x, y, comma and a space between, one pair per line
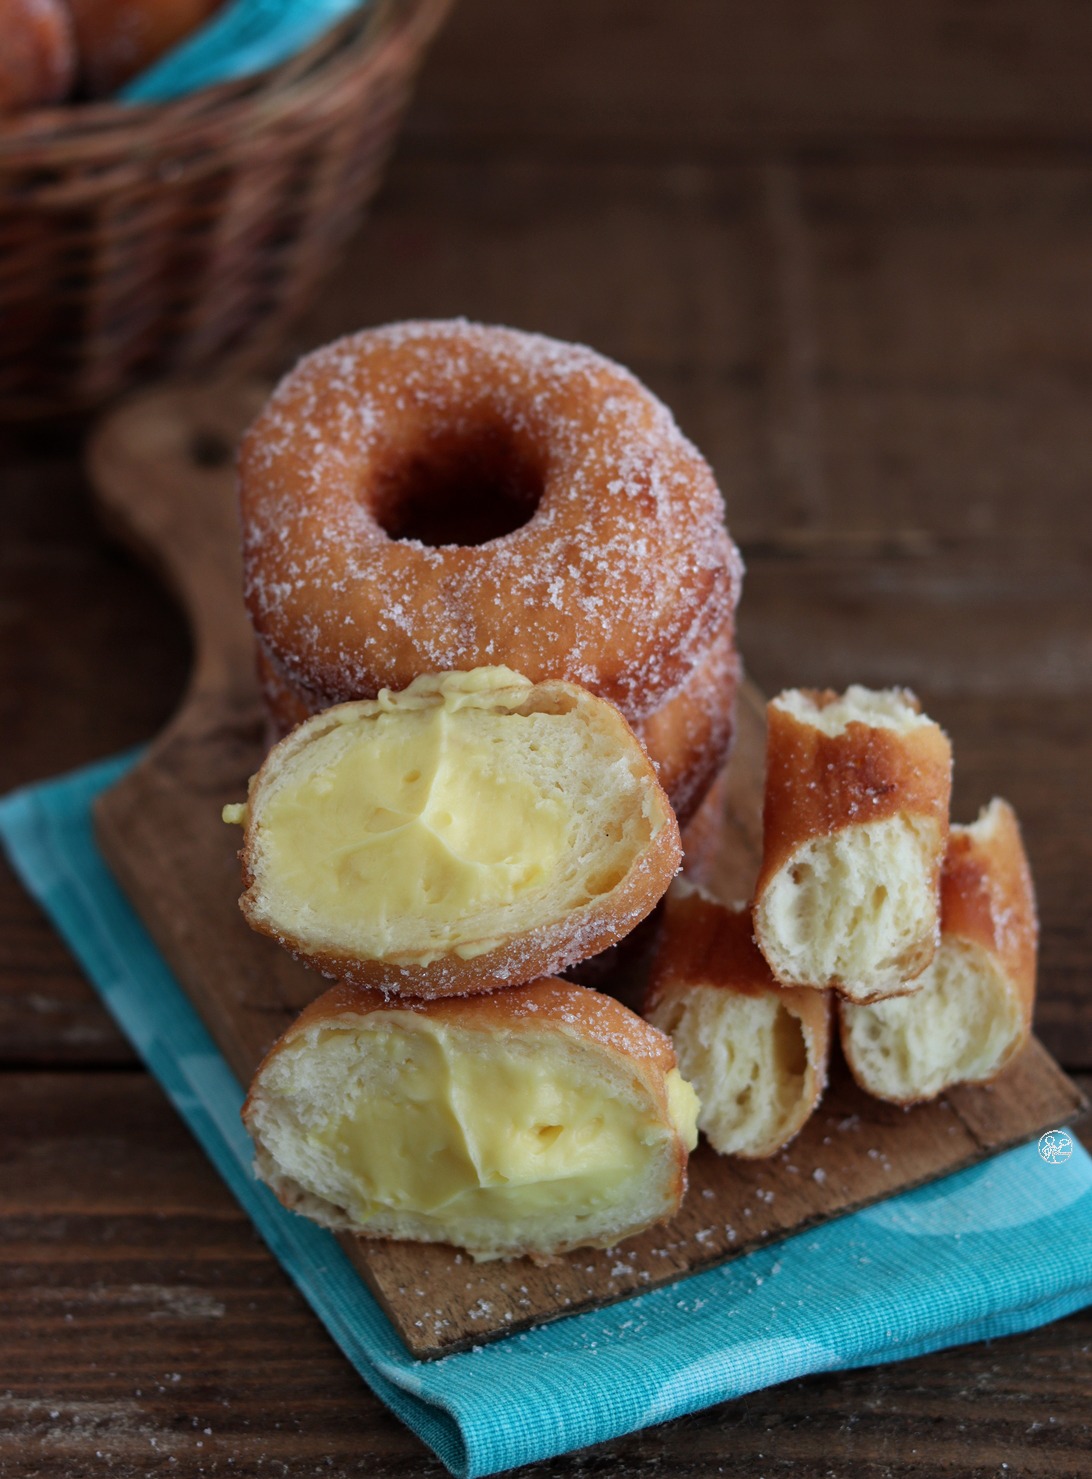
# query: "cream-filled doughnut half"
855, 824
473, 831
436, 496
971, 1012
756, 1052
530, 1121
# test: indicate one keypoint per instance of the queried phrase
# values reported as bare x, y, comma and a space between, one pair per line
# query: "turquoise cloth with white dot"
1000, 1248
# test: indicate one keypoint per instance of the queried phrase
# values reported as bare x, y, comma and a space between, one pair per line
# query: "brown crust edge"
988, 899
818, 784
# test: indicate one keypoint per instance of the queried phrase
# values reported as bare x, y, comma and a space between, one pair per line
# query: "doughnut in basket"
971, 1011
117, 39
473, 831
855, 828
37, 53
755, 1051
440, 496
529, 1121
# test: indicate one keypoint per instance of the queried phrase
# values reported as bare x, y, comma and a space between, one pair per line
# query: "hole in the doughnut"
462, 486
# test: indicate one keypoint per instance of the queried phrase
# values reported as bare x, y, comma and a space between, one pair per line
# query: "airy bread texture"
971, 1011
531, 1121
755, 1051
855, 828
474, 831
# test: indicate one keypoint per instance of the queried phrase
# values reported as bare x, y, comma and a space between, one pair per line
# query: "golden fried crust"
687, 738
542, 951
703, 833
285, 704
817, 784
704, 943
619, 576
987, 897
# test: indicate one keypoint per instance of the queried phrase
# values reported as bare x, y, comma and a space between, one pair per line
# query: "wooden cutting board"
162, 467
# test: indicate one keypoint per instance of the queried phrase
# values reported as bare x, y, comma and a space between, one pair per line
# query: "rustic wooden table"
851, 245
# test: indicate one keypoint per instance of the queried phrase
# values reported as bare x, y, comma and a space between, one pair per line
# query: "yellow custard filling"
413, 809
464, 1127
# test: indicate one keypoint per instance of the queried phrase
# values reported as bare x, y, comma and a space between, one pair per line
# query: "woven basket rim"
83, 128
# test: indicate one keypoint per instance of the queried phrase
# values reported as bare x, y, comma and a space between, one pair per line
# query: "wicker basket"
137, 240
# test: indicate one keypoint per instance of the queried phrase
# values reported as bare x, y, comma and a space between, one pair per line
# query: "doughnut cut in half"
971, 1013
755, 1051
530, 1121
855, 828
473, 831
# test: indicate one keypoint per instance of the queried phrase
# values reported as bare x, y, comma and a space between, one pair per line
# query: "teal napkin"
996, 1249
244, 37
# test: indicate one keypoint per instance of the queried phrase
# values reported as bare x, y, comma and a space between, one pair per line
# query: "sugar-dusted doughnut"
529, 1121
473, 831
971, 1011
687, 737
443, 495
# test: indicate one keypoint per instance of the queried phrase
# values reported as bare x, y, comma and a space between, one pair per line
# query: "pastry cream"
408, 808
444, 1126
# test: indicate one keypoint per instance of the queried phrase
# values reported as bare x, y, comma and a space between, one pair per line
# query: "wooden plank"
161, 832
949, 304
578, 74
48, 1012
140, 1318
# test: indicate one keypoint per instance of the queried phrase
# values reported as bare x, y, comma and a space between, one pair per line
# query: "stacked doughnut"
494, 599
444, 496
923, 933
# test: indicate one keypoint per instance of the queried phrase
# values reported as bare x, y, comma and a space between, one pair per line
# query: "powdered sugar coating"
619, 579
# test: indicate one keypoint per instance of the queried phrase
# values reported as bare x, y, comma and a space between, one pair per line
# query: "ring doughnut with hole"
444, 495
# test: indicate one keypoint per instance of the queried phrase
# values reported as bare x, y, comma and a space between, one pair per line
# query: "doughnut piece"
531, 1121
755, 1051
687, 738
971, 1012
37, 54
118, 39
435, 496
855, 827
473, 831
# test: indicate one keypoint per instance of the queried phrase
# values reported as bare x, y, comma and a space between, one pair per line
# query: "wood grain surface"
851, 244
